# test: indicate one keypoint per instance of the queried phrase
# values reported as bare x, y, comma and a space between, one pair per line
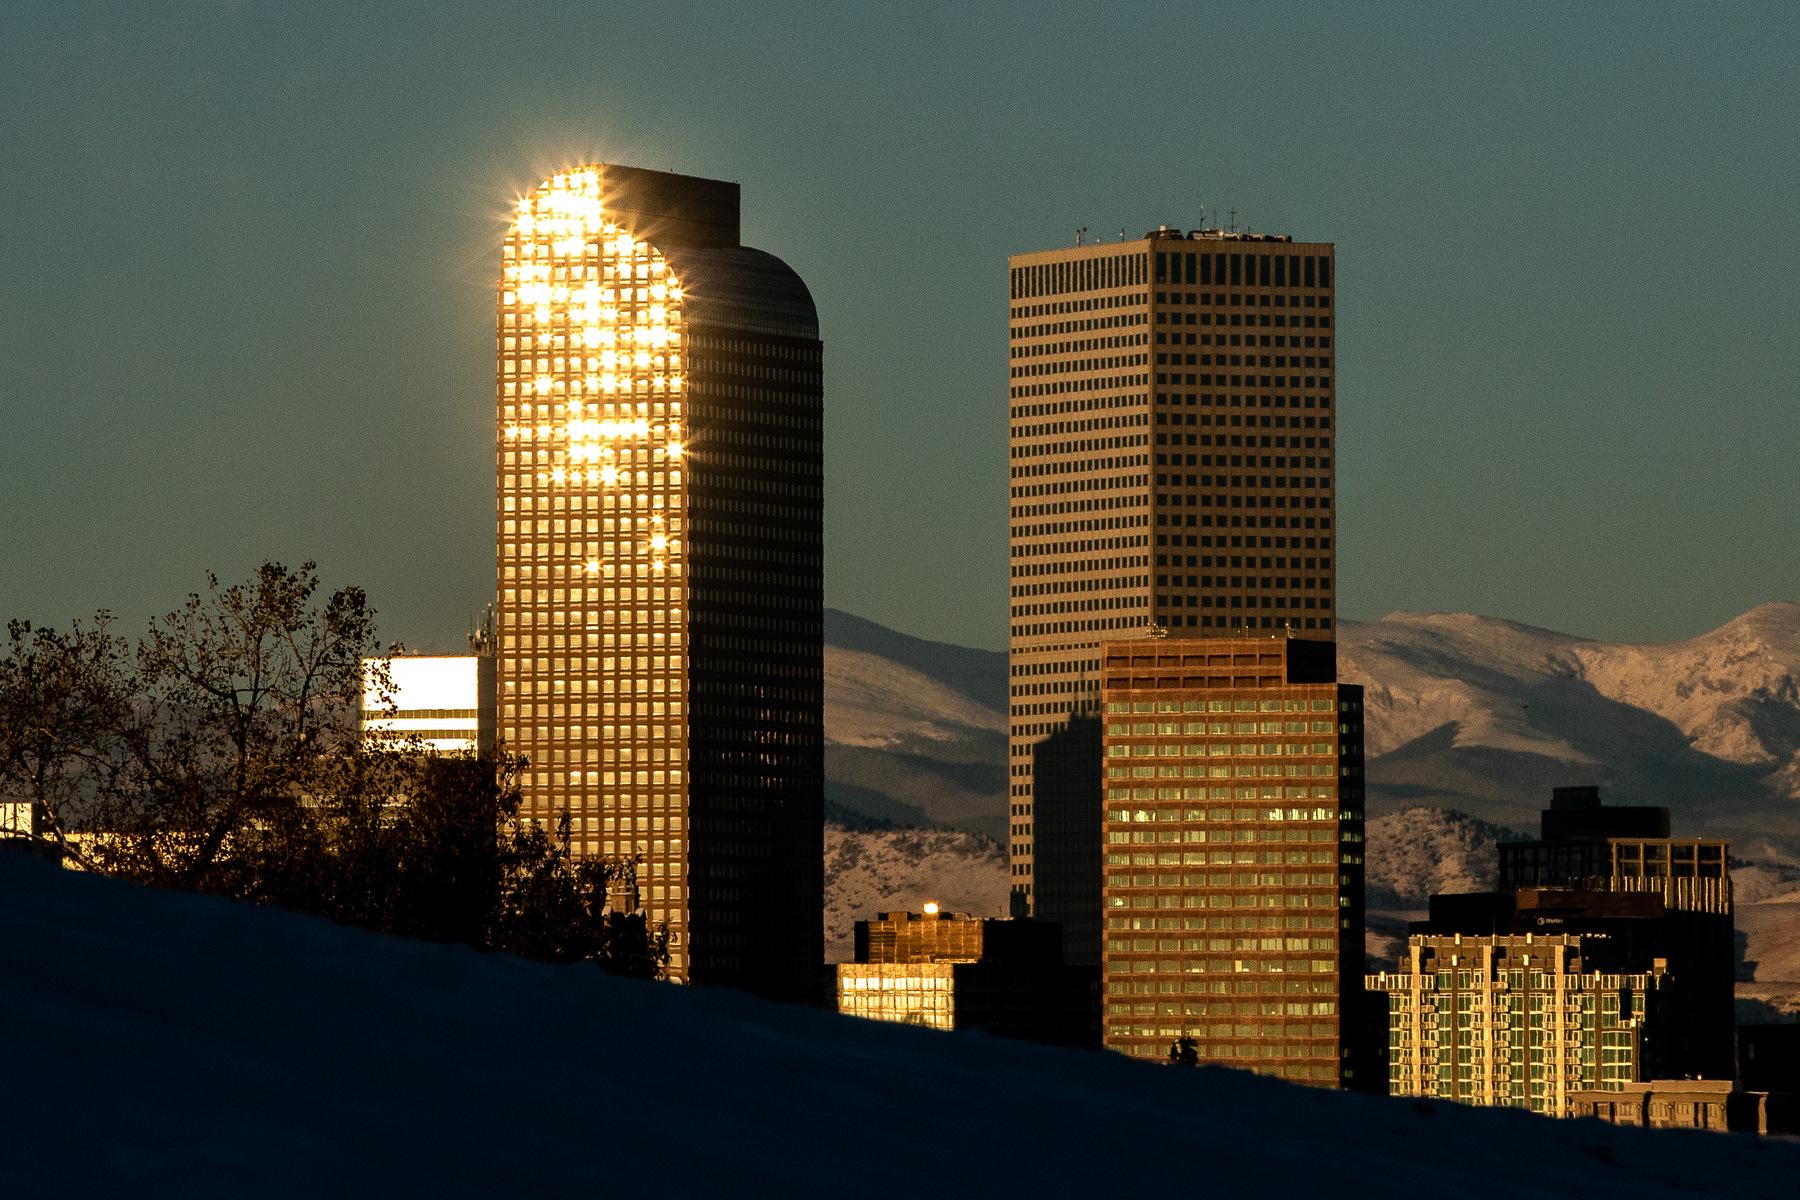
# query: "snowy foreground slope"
164, 1045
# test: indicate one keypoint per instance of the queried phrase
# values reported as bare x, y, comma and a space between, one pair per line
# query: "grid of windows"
591, 634
1200, 501
659, 532
1514, 1021
1232, 862
921, 994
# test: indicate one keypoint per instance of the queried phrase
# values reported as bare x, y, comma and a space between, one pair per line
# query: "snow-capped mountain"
1473, 713
1471, 721
915, 731
1485, 716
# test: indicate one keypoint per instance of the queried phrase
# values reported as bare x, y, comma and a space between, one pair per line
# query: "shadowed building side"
756, 671
1065, 772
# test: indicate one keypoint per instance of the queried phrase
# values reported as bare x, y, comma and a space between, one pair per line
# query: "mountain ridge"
1470, 721
1478, 713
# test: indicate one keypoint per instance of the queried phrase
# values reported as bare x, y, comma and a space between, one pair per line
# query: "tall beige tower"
1171, 426
659, 636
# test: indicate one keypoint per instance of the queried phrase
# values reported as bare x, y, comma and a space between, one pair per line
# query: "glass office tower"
658, 515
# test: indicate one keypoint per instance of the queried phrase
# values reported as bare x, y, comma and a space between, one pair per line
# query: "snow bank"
166, 1045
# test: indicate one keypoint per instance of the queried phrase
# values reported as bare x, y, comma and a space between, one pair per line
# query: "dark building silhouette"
1066, 768
1233, 855
659, 635
1171, 421
1627, 852
949, 971
1576, 839
1769, 1058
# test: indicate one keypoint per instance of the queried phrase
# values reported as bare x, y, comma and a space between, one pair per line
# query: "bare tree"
224, 755
64, 704
242, 709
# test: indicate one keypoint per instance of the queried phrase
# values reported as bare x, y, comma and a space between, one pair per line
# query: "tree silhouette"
222, 754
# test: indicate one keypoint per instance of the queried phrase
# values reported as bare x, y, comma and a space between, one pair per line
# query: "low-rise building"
1716, 1104
944, 970
17, 819
1516, 1021
436, 702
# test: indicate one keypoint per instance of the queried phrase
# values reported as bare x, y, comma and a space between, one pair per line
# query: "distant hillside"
1486, 716
979, 675
877, 870
1471, 721
1416, 853
915, 731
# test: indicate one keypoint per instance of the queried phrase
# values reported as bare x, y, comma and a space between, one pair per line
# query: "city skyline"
1536, 390
1160, 784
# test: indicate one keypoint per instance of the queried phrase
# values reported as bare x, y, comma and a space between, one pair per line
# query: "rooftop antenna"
1121, 233
1079, 234
1203, 218
482, 639
1234, 220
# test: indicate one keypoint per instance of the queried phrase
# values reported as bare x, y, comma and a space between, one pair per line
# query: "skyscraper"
659, 535
1233, 871
1520, 1020
1171, 421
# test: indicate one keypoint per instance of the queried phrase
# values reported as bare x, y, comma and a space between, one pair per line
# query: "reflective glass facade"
921, 994
659, 469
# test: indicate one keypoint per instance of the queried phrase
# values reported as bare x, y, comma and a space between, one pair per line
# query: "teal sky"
247, 256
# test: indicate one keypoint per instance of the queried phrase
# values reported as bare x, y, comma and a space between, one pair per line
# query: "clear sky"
247, 258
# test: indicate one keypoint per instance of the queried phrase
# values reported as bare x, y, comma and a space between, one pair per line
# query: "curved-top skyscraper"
659, 469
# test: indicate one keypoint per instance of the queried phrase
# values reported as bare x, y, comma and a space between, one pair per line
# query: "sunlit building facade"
1642, 900
1172, 429
442, 703
946, 970
1518, 1020
1232, 890
659, 534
